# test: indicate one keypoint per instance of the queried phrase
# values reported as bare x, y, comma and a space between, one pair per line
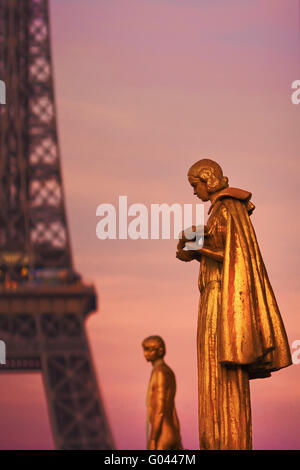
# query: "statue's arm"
159, 410
177, 425
175, 418
217, 255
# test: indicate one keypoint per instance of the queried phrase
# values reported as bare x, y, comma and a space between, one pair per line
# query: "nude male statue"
161, 413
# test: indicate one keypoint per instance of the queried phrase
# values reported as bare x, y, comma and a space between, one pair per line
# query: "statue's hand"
187, 255
183, 237
180, 245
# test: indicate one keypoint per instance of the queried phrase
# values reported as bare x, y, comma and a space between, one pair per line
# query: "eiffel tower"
43, 302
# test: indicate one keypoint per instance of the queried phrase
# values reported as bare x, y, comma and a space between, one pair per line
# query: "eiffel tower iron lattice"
43, 302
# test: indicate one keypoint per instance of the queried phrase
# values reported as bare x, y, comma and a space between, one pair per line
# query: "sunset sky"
145, 88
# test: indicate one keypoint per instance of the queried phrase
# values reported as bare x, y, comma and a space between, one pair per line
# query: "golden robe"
240, 335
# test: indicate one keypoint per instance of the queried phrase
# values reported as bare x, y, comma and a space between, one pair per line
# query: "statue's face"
200, 188
152, 351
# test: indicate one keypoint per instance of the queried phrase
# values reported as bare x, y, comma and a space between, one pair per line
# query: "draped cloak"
240, 333
251, 331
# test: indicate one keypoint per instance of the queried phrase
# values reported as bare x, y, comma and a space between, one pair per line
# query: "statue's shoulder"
231, 198
232, 205
164, 369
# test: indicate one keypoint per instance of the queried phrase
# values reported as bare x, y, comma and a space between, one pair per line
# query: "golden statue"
161, 411
240, 333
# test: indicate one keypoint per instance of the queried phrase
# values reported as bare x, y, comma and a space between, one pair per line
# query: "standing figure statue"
161, 412
240, 333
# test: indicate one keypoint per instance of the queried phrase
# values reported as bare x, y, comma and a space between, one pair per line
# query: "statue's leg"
208, 368
223, 392
236, 427
168, 439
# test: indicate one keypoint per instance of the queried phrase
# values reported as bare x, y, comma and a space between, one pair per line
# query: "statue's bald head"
209, 172
155, 342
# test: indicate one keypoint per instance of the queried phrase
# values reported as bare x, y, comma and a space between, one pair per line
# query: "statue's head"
154, 348
206, 177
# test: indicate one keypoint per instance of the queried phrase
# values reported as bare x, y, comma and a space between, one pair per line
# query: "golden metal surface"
240, 333
162, 419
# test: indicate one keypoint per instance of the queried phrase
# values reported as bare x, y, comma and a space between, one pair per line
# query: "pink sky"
144, 89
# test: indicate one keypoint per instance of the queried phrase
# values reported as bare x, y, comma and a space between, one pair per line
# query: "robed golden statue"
163, 430
240, 333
